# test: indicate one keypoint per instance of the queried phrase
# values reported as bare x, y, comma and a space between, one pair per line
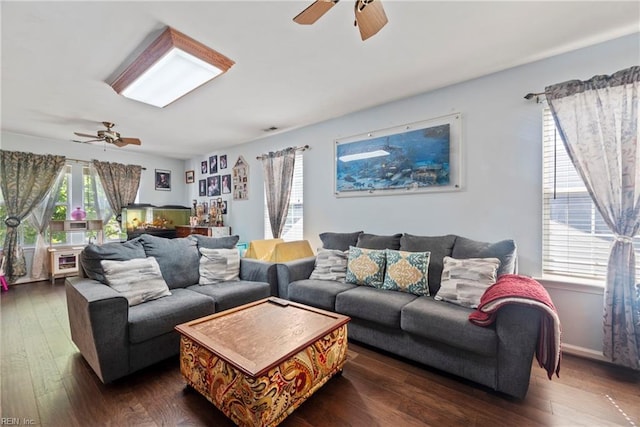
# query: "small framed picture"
224, 207
190, 177
202, 187
226, 184
213, 185
213, 164
204, 167
163, 180
223, 161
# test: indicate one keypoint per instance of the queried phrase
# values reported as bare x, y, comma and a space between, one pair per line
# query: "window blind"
293, 227
576, 240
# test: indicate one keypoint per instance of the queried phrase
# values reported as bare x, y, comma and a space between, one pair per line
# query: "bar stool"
3, 281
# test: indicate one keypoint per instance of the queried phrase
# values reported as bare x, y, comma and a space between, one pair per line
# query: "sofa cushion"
233, 294
138, 280
375, 305
227, 242
373, 241
366, 266
92, 254
178, 259
438, 246
219, 265
504, 250
317, 293
407, 272
158, 317
465, 280
339, 241
449, 324
330, 264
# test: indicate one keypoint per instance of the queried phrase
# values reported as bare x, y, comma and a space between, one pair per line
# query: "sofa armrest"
259, 271
292, 271
98, 318
517, 327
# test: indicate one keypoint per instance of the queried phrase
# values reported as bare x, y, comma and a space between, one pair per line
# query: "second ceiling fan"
370, 16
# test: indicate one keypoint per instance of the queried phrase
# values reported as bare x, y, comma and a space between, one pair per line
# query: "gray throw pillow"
373, 241
465, 280
178, 259
339, 241
438, 246
331, 264
504, 250
219, 265
92, 254
138, 280
227, 242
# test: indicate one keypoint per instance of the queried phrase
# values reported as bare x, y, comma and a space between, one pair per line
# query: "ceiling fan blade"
126, 141
86, 142
314, 12
370, 17
86, 135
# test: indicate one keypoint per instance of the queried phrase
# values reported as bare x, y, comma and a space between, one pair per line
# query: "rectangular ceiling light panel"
172, 66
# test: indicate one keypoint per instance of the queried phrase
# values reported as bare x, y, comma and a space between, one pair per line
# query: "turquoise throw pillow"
366, 266
407, 272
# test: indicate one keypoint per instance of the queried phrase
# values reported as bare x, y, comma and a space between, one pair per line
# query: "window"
78, 177
576, 240
293, 227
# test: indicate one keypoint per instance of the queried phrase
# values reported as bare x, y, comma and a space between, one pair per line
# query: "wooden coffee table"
258, 362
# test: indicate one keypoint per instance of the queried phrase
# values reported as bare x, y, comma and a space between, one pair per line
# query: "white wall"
502, 151
88, 152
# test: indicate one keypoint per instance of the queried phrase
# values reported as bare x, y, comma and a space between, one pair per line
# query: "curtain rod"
532, 95
88, 162
303, 148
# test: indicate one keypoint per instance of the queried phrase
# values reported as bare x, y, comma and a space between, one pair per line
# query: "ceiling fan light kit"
173, 65
370, 16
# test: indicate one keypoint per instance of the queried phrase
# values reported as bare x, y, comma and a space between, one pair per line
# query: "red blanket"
515, 289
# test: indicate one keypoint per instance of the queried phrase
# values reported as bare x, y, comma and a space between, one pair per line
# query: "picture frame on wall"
204, 167
202, 187
213, 164
226, 184
223, 161
418, 157
213, 185
190, 177
163, 179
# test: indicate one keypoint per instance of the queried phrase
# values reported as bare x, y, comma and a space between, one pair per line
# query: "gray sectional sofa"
117, 339
421, 328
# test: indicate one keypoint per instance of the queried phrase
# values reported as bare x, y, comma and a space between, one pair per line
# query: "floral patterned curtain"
120, 183
598, 122
278, 179
25, 179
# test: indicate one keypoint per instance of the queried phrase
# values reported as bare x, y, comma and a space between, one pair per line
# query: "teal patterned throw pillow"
366, 266
407, 272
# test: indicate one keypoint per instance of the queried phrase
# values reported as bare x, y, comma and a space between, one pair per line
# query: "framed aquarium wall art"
413, 158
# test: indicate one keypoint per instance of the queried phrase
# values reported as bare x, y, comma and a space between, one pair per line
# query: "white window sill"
574, 284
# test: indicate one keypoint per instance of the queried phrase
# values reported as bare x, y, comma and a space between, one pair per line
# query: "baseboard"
587, 353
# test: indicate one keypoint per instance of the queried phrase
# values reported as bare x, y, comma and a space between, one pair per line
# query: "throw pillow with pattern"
331, 264
465, 280
219, 265
366, 266
138, 280
407, 272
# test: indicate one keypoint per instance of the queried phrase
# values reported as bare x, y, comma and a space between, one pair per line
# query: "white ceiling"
58, 58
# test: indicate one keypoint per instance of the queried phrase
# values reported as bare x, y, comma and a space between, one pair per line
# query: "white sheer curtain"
39, 218
598, 121
100, 201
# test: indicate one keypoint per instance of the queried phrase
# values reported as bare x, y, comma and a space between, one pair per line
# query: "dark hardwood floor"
46, 382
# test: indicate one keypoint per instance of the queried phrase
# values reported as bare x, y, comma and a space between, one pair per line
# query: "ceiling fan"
370, 16
109, 136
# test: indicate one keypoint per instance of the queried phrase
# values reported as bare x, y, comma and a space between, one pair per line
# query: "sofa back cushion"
92, 254
138, 280
178, 259
373, 241
504, 250
339, 241
227, 242
438, 247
